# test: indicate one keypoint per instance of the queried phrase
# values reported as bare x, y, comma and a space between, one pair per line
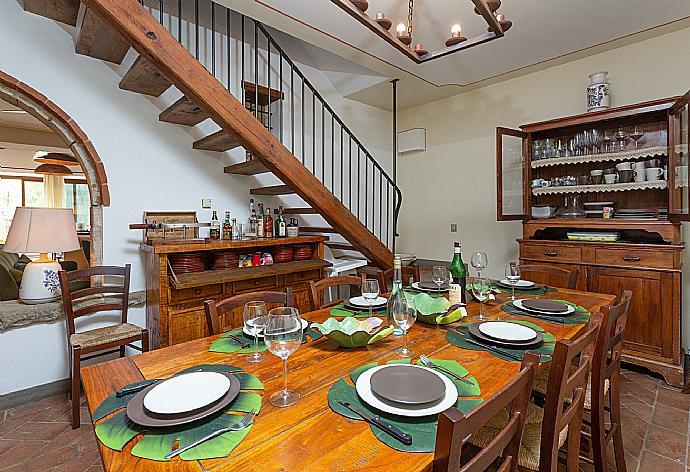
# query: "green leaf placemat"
458, 337
581, 315
154, 443
422, 429
341, 311
543, 290
227, 345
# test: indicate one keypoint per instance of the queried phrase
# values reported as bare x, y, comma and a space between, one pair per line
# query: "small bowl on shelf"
543, 211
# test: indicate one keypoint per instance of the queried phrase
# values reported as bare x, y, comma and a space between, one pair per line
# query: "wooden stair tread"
97, 39
272, 190
219, 141
341, 246
144, 78
317, 229
250, 93
300, 211
64, 11
183, 112
252, 167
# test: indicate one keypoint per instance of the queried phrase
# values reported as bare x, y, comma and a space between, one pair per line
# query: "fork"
243, 423
243, 344
429, 363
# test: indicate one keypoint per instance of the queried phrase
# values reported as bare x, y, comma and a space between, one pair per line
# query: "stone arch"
38, 105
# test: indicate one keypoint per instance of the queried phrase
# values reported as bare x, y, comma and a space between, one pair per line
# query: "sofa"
11, 270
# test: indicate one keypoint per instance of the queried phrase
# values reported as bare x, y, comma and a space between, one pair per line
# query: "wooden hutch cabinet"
545, 164
175, 302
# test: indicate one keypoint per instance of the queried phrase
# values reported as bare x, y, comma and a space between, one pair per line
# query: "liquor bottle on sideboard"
268, 224
280, 224
293, 228
260, 222
235, 230
459, 271
396, 294
215, 227
227, 227
250, 231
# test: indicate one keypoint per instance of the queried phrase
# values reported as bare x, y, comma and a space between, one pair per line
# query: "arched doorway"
36, 104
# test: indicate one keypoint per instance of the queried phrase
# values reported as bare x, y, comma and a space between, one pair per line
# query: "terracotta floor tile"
655, 463
84, 462
35, 406
11, 424
633, 422
641, 392
671, 418
640, 407
68, 437
52, 458
21, 451
7, 444
666, 443
632, 443
37, 431
674, 398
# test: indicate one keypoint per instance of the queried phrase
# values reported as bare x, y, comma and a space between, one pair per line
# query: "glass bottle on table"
395, 295
268, 224
215, 227
459, 271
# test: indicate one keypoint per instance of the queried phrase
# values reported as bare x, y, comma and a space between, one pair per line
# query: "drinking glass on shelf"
512, 275
621, 137
283, 336
607, 139
479, 261
439, 275
370, 292
255, 318
596, 141
404, 315
636, 133
481, 288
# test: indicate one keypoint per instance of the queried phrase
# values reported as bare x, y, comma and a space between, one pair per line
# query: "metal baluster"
160, 13
366, 184
323, 142
388, 196
213, 39
349, 171
256, 72
313, 133
358, 180
196, 25
268, 67
341, 164
332, 154
292, 109
280, 78
302, 128
227, 36
380, 200
244, 100
179, 21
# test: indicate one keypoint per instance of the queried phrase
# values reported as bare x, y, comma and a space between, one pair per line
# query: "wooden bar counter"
174, 308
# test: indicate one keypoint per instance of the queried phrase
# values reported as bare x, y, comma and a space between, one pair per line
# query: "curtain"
54, 191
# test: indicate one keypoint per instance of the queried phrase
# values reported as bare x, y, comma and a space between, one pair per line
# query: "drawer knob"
631, 258
551, 253
197, 291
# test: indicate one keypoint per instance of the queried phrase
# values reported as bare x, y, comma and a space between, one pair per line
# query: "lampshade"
42, 230
52, 169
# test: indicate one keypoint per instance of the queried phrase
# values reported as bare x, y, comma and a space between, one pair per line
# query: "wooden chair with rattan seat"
316, 289
215, 311
550, 275
454, 427
546, 429
408, 273
99, 341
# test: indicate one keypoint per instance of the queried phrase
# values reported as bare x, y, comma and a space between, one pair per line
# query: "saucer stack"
225, 260
596, 209
283, 254
302, 252
187, 262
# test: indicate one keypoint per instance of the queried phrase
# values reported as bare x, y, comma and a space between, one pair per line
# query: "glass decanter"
572, 208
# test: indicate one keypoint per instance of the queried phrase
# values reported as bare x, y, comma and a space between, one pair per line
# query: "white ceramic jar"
598, 92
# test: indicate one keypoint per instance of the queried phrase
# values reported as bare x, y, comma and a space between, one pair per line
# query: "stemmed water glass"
404, 315
254, 320
636, 133
479, 261
621, 137
439, 275
370, 292
283, 336
512, 275
481, 288
607, 139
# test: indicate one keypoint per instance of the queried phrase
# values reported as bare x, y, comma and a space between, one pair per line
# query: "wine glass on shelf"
404, 315
512, 274
596, 141
621, 137
283, 336
370, 292
479, 261
481, 288
439, 275
607, 139
255, 318
636, 133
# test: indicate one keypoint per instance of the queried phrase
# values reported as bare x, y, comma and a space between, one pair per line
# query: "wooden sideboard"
174, 308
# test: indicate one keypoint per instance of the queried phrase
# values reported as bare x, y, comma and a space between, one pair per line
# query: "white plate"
518, 304
251, 335
365, 393
186, 392
520, 284
416, 286
361, 301
510, 332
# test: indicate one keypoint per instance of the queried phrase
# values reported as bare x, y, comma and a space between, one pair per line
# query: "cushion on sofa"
9, 289
22, 263
8, 259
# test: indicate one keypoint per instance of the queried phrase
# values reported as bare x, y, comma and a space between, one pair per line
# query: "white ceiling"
15, 117
543, 30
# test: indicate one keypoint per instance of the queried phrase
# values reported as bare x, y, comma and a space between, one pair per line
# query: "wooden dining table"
309, 436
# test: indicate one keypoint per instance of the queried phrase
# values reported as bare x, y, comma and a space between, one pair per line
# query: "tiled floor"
38, 436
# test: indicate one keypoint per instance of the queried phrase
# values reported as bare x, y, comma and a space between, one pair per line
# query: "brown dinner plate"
407, 384
540, 304
138, 414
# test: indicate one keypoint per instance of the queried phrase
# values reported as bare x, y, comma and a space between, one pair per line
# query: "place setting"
552, 311
369, 304
439, 283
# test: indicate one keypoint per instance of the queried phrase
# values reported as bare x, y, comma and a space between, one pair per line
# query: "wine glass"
283, 336
621, 137
636, 133
254, 320
370, 292
512, 275
479, 261
481, 288
607, 139
404, 316
439, 275
596, 141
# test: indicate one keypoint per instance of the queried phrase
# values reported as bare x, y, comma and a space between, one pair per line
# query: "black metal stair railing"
243, 55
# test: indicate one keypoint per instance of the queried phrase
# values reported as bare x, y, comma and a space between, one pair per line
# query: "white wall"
453, 181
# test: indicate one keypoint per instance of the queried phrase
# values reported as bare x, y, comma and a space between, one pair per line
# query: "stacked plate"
521, 285
183, 399
429, 286
596, 209
636, 214
545, 307
503, 334
225, 260
361, 304
406, 390
187, 262
302, 252
282, 254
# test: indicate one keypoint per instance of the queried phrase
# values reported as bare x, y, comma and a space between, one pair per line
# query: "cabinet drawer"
634, 257
302, 276
252, 284
196, 293
551, 252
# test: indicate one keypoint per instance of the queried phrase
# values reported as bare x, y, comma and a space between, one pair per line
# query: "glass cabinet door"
510, 174
679, 191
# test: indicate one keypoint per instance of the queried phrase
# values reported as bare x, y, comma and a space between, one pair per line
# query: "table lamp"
41, 230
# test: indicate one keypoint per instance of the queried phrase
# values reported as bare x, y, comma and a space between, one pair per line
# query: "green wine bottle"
459, 272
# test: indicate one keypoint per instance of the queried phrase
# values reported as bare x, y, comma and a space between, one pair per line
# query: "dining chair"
546, 429
87, 301
215, 311
410, 272
316, 289
550, 275
454, 426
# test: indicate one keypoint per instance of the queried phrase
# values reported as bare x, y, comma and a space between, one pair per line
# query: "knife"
239, 341
495, 349
135, 388
404, 438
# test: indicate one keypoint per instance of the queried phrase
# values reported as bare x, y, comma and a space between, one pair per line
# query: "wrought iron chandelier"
497, 25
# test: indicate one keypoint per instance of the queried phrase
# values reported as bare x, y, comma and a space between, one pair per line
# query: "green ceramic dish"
434, 310
351, 332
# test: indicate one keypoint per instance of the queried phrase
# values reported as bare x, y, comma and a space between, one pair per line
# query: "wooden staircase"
109, 28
